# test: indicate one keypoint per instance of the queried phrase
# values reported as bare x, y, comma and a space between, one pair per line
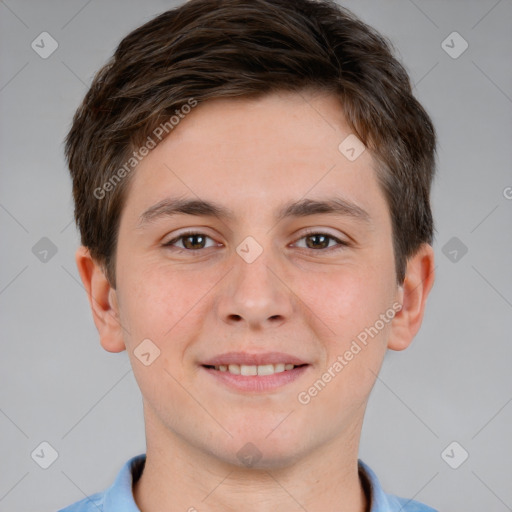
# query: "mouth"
258, 373
248, 370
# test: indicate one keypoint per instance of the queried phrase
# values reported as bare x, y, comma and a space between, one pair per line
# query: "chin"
257, 449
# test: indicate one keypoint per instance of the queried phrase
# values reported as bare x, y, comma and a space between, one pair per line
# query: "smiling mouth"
252, 370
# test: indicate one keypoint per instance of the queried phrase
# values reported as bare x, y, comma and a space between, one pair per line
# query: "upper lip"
249, 359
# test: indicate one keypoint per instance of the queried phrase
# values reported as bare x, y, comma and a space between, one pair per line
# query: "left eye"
320, 240
194, 241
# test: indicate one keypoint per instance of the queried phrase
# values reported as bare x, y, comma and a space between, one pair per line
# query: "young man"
251, 181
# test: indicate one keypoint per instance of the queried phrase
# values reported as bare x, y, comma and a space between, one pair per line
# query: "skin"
252, 156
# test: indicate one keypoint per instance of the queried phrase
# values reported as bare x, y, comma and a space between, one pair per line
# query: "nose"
256, 294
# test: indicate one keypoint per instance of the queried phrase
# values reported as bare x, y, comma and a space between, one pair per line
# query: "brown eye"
322, 241
191, 241
317, 241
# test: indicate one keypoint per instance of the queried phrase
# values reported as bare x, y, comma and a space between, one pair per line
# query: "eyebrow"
170, 207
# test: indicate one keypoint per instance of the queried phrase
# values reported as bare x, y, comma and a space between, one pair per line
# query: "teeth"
262, 369
265, 369
248, 370
234, 368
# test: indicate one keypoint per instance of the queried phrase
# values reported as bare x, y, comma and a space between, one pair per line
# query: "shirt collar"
379, 500
120, 495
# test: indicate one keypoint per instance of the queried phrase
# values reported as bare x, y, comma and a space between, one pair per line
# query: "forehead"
256, 155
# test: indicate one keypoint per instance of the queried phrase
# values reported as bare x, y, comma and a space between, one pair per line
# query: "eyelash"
343, 244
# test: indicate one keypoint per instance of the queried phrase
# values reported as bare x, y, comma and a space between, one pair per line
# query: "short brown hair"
208, 49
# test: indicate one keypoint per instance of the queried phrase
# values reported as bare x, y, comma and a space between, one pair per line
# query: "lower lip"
257, 383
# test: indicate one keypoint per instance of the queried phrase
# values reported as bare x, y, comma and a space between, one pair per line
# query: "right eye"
190, 241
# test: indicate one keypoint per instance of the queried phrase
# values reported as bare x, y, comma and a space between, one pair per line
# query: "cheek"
351, 306
350, 303
160, 299
348, 299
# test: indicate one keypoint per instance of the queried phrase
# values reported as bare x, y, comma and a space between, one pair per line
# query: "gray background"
452, 384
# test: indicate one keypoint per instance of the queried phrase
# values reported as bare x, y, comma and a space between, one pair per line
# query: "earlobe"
102, 299
416, 287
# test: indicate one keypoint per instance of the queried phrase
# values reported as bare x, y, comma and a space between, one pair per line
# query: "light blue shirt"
119, 496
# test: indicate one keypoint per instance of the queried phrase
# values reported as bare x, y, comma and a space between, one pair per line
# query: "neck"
178, 476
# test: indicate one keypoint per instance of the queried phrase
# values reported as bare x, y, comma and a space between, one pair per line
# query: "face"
262, 275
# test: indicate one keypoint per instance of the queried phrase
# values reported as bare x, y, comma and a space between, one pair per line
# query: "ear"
418, 282
103, 301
